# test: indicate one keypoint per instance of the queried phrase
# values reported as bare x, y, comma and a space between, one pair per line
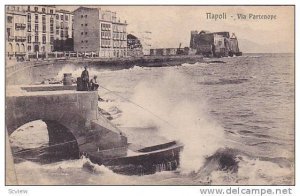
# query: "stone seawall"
146, 61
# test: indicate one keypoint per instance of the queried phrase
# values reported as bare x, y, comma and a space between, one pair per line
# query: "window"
43, 10
9, 19
85, 16
29, 27
57, 16
57, 32
44, 28
51, 11
29, 48
81, 16
62, 17
36, 9
81, 41
86, 41
61, 24
51, 25
66, 18
28, 8
51, 40
44, 18
81, 33
36, 38
28, 17
36, 18
44, 39
86, 25
36, 28
29, 39
86, 33
82, 25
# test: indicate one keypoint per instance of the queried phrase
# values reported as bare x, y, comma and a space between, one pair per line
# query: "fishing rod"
46, 147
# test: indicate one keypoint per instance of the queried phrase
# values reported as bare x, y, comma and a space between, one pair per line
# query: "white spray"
172, 100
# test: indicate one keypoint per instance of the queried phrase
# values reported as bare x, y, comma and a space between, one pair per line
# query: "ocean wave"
233, 167
227, 166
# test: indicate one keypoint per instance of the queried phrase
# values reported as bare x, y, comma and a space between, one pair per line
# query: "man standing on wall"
85, 79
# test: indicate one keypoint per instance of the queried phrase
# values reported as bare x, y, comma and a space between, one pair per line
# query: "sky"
171, 25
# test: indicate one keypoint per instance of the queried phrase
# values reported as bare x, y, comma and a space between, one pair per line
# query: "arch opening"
10, 48
43, 141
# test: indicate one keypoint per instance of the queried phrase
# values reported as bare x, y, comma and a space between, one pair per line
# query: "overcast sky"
171, 25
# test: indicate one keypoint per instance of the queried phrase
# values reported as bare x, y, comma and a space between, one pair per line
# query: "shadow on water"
225, 81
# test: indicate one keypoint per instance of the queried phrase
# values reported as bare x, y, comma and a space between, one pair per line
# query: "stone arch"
62, 143
17, 47
14, 120
10, 48
76, 111
22, 48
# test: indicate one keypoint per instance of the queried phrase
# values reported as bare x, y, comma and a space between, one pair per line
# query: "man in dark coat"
85, 79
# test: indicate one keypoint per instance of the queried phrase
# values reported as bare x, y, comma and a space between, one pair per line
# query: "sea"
237, 108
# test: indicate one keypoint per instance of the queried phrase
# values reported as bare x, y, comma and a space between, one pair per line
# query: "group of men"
87, 83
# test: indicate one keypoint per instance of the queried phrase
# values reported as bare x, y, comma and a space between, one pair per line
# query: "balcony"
11, 38
20, 53
20, 39
20, 26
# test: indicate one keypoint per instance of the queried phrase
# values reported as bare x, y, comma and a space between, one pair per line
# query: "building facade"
40, 28
32, 29
16, 43
63, 24
146, 41
64, 31
99, 32
134, 46
163, 51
